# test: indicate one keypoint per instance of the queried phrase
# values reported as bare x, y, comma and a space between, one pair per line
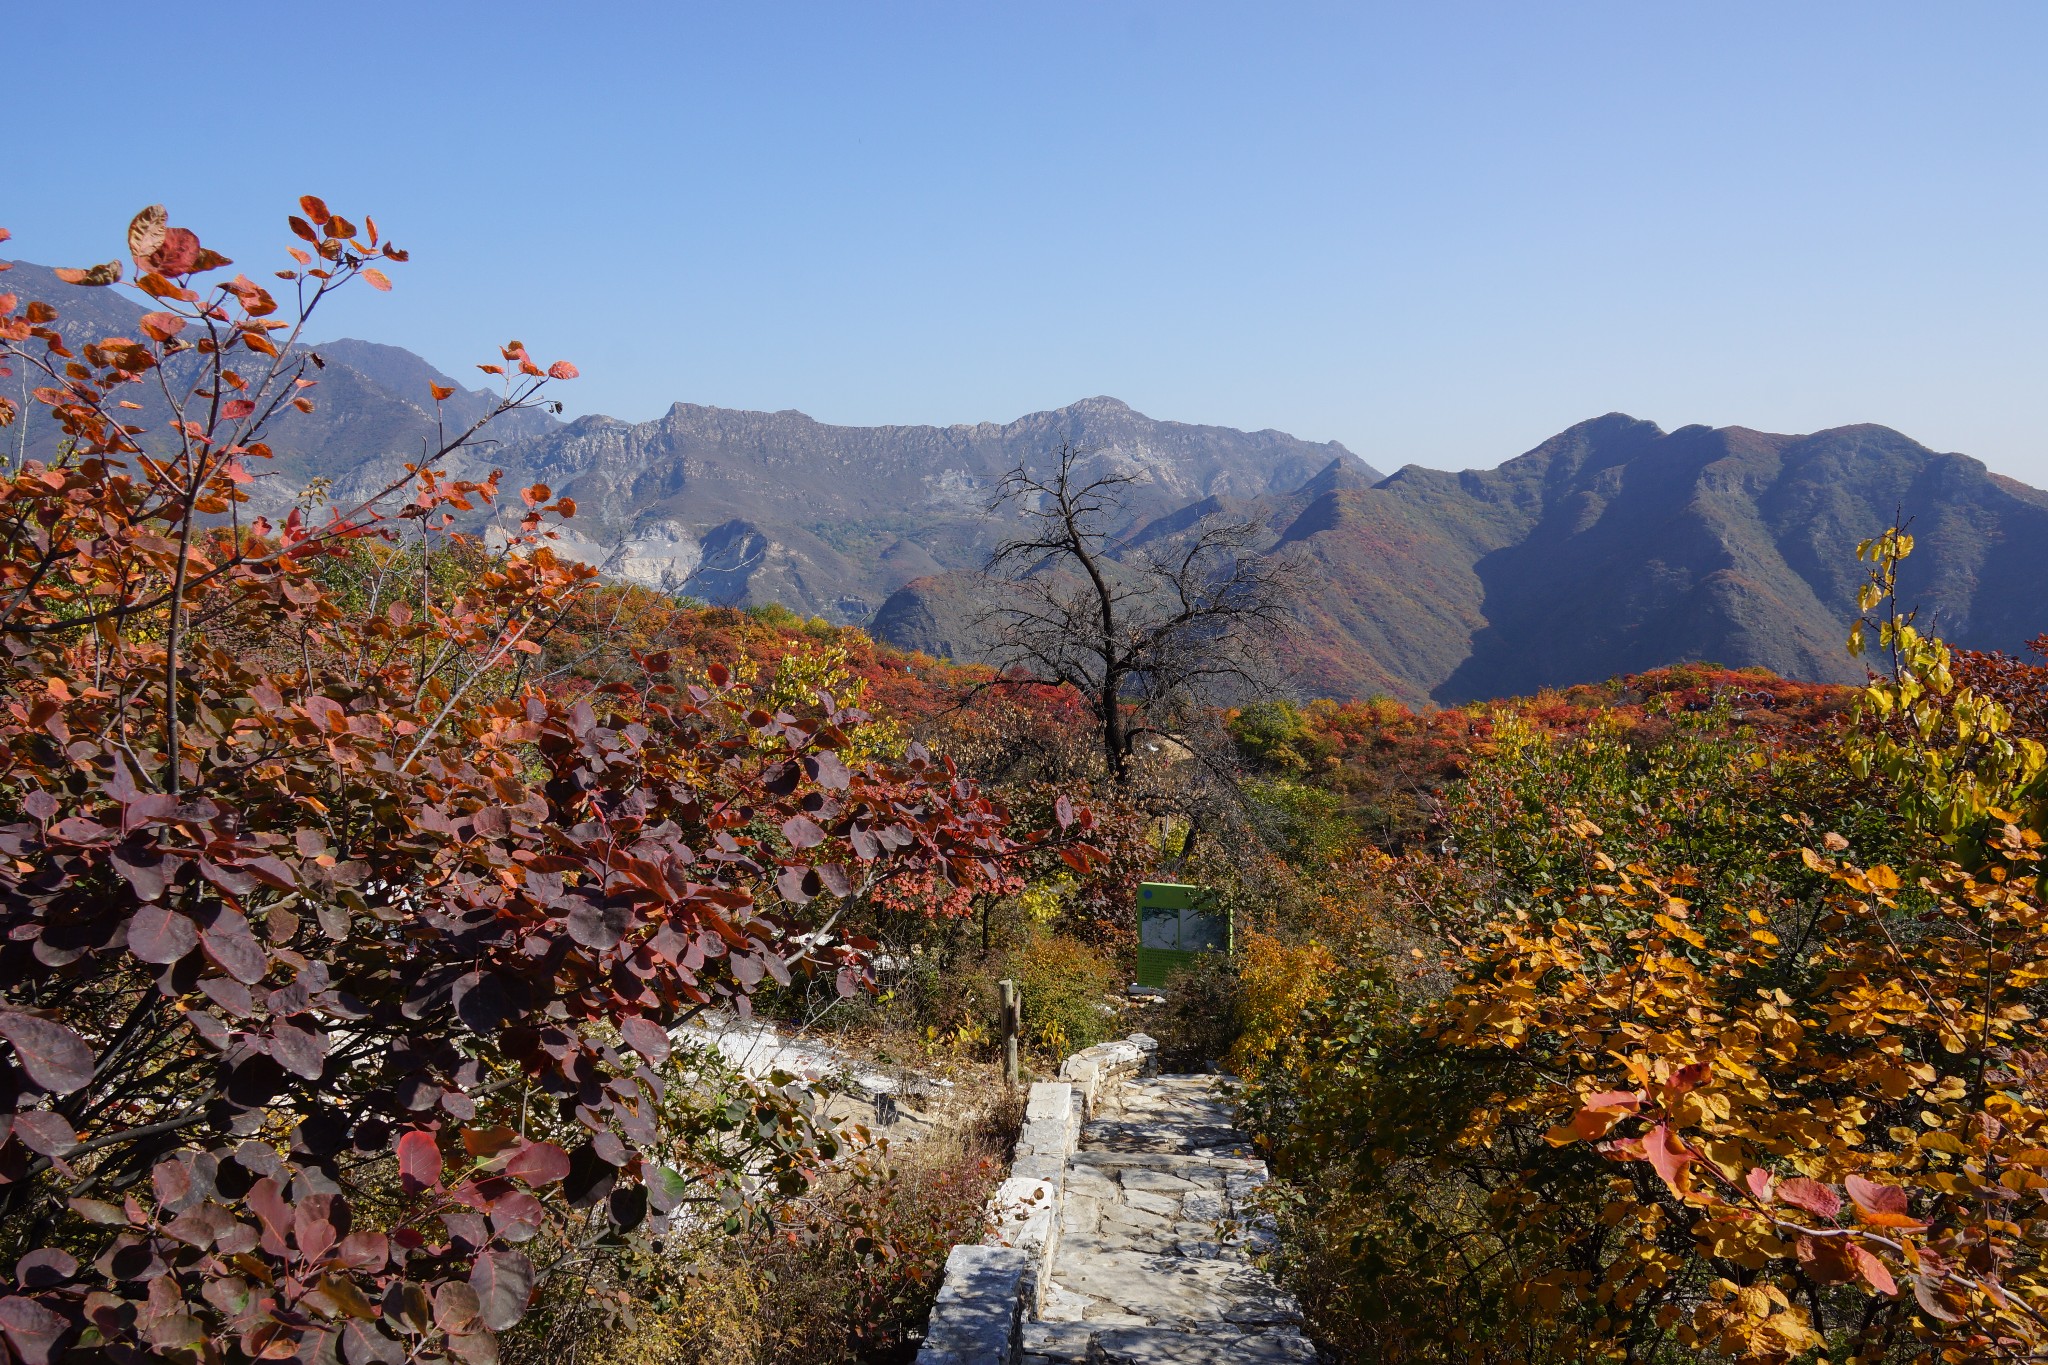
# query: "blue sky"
1436, 232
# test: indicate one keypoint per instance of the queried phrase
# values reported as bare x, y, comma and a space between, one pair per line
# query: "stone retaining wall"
990, 1289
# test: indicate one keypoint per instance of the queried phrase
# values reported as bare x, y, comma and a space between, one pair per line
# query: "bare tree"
1148, 634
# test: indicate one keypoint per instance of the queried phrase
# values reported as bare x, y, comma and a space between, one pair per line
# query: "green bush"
1199, 1020
1067, 984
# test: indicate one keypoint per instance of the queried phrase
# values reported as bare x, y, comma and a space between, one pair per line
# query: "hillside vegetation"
367, 859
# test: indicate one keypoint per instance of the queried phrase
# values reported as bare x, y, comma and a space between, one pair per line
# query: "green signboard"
1176, 924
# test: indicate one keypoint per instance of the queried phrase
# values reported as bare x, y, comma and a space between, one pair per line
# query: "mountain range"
1612, 547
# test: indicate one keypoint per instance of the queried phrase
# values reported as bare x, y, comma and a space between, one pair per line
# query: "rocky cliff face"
746, 507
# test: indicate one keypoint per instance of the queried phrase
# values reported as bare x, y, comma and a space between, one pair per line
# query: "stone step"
1144, 1289
1157, 1346
1050, 1343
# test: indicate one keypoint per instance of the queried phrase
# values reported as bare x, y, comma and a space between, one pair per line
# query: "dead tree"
1149, 634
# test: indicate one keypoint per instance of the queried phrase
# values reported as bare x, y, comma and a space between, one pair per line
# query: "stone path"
1150, 1264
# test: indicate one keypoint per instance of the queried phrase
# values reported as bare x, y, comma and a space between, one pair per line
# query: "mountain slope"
744, 507
1615, 546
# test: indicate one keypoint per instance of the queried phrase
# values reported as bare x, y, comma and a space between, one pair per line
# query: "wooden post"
1013, 1022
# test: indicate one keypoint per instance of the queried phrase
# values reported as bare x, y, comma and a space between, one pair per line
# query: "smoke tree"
340, 965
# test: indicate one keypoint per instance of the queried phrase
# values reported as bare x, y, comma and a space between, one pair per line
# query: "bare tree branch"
1149, 637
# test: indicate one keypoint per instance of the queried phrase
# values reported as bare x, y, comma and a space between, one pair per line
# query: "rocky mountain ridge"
1613, 546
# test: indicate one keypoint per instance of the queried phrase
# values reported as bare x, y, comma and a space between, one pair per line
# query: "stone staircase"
1125, 1234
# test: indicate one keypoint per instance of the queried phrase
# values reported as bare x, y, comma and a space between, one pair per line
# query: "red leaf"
376, 278
54, 1057
1811, 1195
503, 1281
45, 1131
802, 832
541, 1163
1759, 1182
159, 934
178, 254
1661, 1149
456, 1306
1613, 1099
419, 1161
1686, 1077
229, 943
645, 1037
1881, 1206
235, 409
315, 208
561, 369
32, 1330
303, 1052
1931, 1301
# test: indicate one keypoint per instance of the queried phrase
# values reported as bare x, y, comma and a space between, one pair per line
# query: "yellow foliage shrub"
1276, 980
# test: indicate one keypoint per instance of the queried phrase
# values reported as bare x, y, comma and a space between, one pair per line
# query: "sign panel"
1176, 924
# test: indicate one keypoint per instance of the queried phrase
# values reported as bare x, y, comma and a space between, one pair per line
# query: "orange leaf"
376, 278
561, 369
315, 208
536, 495
441, 391
1872, 1270
160, 326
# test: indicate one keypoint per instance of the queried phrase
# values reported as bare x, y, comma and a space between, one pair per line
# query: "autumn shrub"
1738, 1056
1069, 994
1198, 1021
1276, 981
846, 1274
342, 952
